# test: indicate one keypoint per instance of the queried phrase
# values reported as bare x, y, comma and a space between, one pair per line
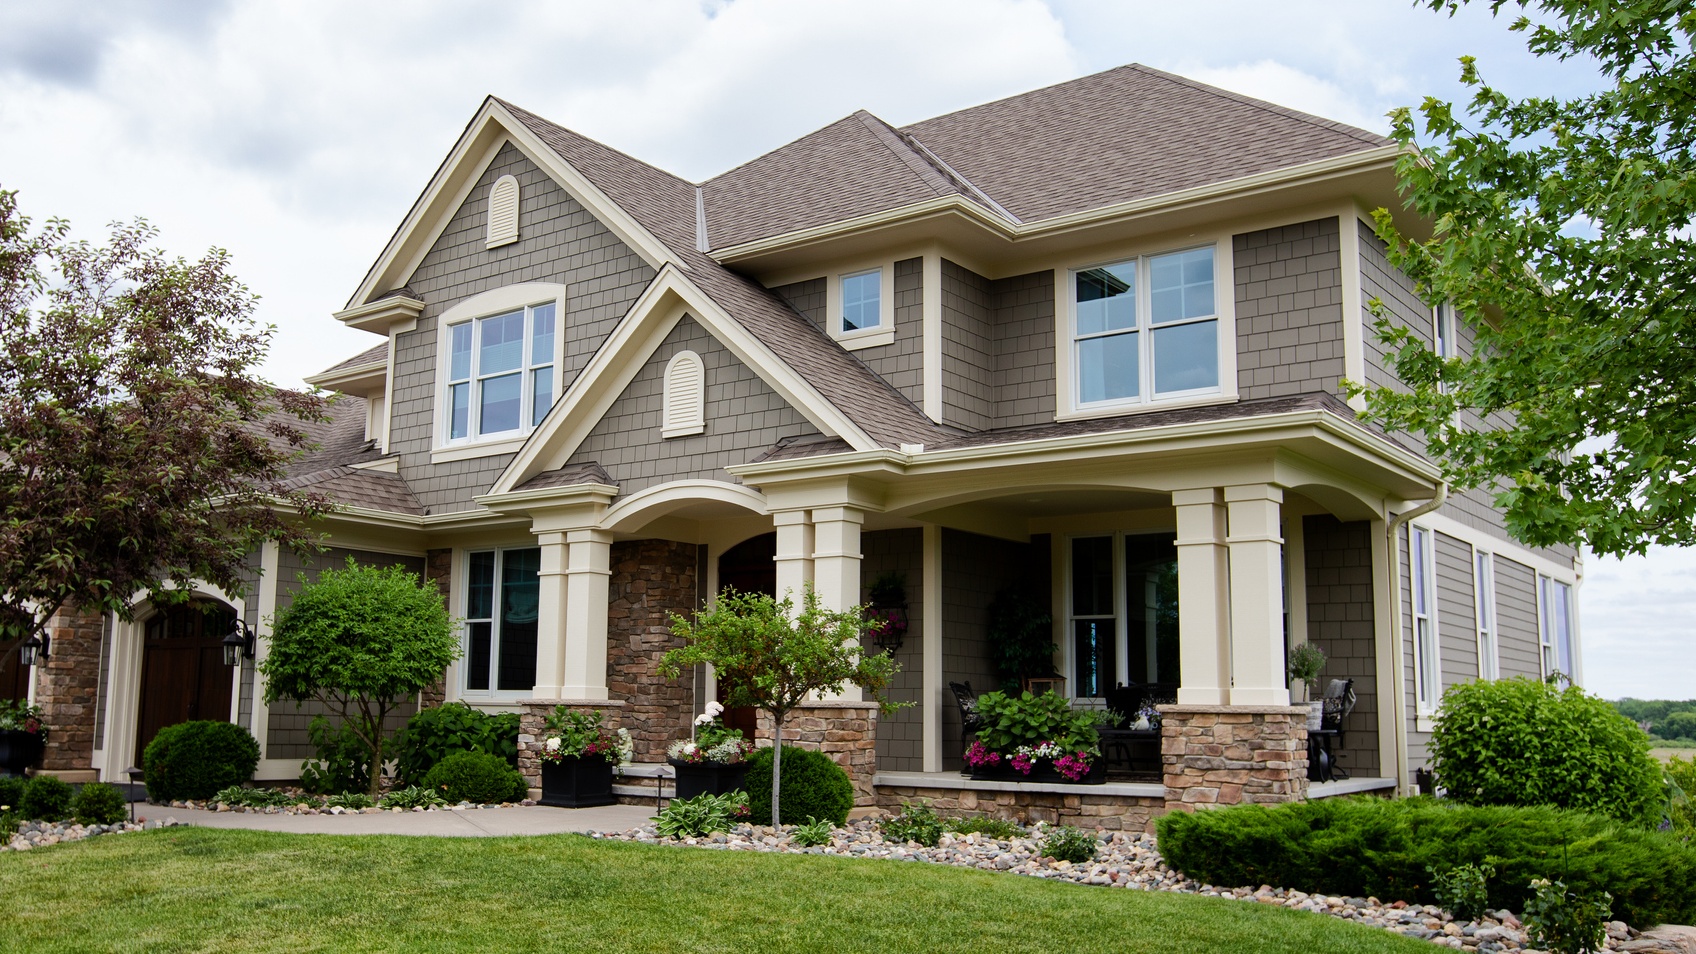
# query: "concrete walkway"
475, 823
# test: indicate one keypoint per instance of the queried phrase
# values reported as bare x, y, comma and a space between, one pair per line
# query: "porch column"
930, 634
588, 569
1204, 629
1257, 595
550, 616
836, 567
794, 553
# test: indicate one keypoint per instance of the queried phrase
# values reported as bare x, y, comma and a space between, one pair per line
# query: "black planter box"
577, 783
19, 750
707, 778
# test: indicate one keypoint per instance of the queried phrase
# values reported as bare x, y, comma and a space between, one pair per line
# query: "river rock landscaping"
1125, 860
31, 835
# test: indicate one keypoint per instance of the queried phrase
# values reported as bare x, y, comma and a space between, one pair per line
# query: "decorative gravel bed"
1127, 860
32, 835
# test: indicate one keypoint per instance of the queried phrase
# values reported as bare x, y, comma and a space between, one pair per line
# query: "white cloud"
1637, 615
1288, 86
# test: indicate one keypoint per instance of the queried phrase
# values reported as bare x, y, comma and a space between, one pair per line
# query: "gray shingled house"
1087, 341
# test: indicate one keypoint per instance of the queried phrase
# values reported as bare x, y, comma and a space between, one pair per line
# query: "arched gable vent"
685, 395
503, 212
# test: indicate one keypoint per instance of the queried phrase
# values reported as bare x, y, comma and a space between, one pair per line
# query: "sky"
297, 135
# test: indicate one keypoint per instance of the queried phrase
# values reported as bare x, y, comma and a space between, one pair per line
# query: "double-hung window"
1422, 575
500, 373
1484, 587
1146, 329
502, 596
1123, 612
1556, 604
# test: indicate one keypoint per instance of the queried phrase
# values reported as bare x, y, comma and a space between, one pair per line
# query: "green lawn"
191, 889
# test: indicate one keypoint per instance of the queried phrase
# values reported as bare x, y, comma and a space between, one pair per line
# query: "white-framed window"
1122, 611
1484, 591
500, 380
1146, 330
1422, 565
1554, 598
502, 596
860, 305
862, 302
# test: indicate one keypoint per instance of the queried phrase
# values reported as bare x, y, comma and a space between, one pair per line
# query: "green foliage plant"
413, 796
576, 734
17, 715
342, 764
350, 801
998, 828
11, 793
1066, 843
255, 797
916, 823
476, 777
97, 803
46, 798
1009, 722
438, 731
1581, 333
193, 760
1464, 890
702, 815
361, 640
814, 786
1371, 847
1681, 798
769, 656
1307, 661
144, 452
1564, 921
1021, 636
814, 833
1524, 742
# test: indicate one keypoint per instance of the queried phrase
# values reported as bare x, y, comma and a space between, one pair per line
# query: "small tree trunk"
375, 738
776, 765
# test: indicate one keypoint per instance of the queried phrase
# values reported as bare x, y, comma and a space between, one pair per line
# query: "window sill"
1425, 722
1127, 410
510, 445
872, 338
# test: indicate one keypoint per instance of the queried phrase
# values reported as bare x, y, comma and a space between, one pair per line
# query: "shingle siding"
806, 297
900, 735
968, 349
559, 241
1288, 287
744, 416
1024, 349
901, 362
1340, 621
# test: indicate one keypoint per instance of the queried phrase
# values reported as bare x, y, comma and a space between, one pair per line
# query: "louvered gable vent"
503, 212
685, 395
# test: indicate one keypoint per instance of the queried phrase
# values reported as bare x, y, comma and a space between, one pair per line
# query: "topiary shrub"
1524, 742
819, 787
193, 760
439, 731
476, 777
98, 803
1367, 846
46, 798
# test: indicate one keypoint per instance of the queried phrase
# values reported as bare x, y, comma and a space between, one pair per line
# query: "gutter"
1398, 674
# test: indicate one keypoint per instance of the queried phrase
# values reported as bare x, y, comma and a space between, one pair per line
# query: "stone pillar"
845, 730
651, 579
1230, 755
531, 727
551, 616
1257, 596
438, 569
1204, 627
588, 568
794, 553
65, 688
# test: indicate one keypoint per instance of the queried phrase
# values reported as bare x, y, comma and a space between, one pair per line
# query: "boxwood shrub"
814, 786
439, 731
193, 760
476, 777
1374, 847
46, 798
97, 803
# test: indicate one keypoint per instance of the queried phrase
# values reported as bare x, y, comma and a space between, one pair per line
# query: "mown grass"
212, 890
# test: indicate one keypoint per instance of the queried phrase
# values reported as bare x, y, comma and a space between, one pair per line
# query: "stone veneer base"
1230, 755
1083, 809
845, 731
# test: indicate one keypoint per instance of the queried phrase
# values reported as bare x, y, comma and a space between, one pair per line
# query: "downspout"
1398, 673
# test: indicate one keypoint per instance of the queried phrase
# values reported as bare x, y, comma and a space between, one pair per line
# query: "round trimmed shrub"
476, 777
46, 798
813, 786
194, 760
437, 732
98, 803
11, 793
1524, 742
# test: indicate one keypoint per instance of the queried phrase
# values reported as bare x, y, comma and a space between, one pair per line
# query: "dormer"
366, 376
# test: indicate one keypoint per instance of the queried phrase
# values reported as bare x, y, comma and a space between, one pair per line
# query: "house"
1088, 341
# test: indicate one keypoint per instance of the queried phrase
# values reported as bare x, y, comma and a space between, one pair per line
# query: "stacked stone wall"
651, 579
1229, 755
66, 685
532, 721
1080, 808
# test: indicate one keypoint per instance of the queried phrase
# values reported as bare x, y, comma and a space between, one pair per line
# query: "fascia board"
359, 380
377, 316
565, 494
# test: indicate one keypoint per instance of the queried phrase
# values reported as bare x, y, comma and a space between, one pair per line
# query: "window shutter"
503, 212
685, 396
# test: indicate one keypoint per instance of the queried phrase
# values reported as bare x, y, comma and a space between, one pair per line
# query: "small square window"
862, 301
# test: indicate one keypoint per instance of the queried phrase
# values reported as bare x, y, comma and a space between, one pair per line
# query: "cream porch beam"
1204, 633
1257, 601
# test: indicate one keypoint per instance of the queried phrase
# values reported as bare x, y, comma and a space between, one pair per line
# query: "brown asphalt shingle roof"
353, 487
588, 472
376, 354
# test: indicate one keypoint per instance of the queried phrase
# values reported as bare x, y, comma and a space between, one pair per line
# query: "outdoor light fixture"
238, 644
33, 647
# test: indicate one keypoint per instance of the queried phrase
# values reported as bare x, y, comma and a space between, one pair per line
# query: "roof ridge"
967, 186
1355, 132
911, 158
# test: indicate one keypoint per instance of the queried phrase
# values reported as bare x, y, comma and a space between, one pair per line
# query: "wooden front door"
14, 677
748, 567
183, 676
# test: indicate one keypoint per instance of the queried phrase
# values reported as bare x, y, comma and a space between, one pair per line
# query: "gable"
743, 416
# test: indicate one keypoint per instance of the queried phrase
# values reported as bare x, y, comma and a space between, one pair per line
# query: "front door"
183, 676
14, 677
748, 567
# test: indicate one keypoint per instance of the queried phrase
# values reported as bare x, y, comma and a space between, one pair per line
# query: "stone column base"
66, 688
532, 723
1230, 755
845, 731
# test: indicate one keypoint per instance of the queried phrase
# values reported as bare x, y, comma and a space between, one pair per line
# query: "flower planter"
1044, 772
707, 778
577, 783
19, 750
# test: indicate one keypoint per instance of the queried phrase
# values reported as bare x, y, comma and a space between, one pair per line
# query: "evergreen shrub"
98, 803
819, 787
476, 777
194, 760
46, 798
439, 731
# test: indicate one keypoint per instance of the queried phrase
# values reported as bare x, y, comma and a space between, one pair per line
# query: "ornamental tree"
769, 657
1562, 229
360, 640
138, 450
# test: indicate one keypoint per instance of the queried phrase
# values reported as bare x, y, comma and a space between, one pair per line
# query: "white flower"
552, 745
714, 709
703, 718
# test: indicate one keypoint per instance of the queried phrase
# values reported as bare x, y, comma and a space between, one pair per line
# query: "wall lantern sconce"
238, 645
35, 647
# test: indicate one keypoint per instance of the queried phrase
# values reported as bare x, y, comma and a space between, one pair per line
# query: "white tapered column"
1257, 595
550, 617
1204, 625
588, 570
836, 568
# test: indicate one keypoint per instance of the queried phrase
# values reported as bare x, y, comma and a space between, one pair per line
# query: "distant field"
1664, 754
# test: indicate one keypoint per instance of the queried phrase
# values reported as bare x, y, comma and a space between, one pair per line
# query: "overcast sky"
297, 135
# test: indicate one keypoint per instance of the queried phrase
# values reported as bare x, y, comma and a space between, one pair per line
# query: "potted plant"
1307, 661
578, 754
714, 762
23, 737
1036, 738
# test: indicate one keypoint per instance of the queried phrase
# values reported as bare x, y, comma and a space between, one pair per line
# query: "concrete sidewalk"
474, 823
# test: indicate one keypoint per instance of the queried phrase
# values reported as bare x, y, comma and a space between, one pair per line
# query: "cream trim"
382, 316
388, 465
636, 511
930, 634
269, 560
1354, 306
502, 212
684, 400
474, 451
1426, 698
931, 371
884, 333
354, 380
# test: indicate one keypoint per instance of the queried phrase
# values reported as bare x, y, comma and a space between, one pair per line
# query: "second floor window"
862, 305
500, 373
1146, 329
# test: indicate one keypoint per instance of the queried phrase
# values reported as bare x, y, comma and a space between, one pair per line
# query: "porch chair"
1339, 700
967, 699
